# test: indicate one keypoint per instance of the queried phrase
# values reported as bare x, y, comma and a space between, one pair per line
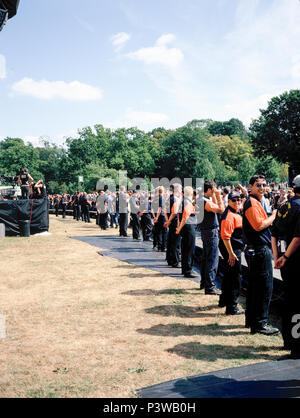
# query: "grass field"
83, 325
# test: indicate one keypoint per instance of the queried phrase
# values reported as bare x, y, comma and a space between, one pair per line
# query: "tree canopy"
203, 148
277, 131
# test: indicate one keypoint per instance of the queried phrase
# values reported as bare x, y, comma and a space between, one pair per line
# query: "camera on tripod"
9, 179
10, 189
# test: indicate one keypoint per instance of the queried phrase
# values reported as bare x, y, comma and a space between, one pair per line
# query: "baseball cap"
233, 194
296, 181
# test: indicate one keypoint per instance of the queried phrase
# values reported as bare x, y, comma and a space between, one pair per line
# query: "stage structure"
8, 9
15, 213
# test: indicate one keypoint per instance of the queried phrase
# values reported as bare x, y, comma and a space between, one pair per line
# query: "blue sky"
67, 64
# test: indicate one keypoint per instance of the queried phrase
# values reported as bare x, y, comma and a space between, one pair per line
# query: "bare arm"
295, 243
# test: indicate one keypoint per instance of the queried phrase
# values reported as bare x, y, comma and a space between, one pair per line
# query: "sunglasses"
259, 185
236, 199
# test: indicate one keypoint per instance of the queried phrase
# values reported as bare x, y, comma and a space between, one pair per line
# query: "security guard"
187, 230
231, 247
159, 214
123, 211
257, 237
287, 228
145, 214
134, 213
174, 240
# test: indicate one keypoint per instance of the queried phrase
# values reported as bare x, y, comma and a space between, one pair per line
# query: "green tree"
188, 153
14, 155
271, 168
277, 131
229, 128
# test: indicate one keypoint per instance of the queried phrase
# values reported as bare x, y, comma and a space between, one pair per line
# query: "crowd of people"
261, 220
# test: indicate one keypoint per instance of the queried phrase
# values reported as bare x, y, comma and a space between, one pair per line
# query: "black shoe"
175, 266
295, 355
235, 312
265, 330
221, 303
191, 275
202, 286
213, 291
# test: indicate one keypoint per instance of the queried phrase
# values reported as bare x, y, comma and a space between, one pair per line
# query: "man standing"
63, 203
209, 227
186, 229
174, 240
159, 205
145, 213
123, 212
86, 204
135, 218
231, 247
24, 179
286, 227
257, 236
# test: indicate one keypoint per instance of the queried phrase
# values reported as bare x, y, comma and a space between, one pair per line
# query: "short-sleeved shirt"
253, 216
231, 228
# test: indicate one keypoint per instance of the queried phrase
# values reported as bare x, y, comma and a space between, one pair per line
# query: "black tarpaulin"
11, 6
12, 212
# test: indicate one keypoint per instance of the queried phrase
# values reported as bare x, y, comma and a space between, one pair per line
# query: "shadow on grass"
213, 352
148, 292
181, 311
176, 330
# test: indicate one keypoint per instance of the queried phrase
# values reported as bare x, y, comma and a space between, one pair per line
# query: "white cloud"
58, 139
140, 119
2, 67
135, 117
48, 90
119, 40
159, 53
165, 39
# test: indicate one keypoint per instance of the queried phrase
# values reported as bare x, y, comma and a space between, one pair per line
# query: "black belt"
257, 247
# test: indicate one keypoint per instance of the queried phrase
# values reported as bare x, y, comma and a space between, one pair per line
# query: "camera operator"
23, 179
39, 190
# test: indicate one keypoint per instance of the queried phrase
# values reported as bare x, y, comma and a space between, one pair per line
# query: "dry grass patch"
82, 325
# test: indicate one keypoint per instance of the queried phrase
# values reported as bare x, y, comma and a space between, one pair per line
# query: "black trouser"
210, 257
291, 304
25, 192
77, 212
63, 211
188, 239
231, 283
173, 246
103, 220
135, 223
161, 234
86, 213
260, 286
146, 224
123, 223
56, 210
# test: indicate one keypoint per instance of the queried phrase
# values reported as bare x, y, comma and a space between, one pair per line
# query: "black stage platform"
272, 379
14, 212
139, 253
